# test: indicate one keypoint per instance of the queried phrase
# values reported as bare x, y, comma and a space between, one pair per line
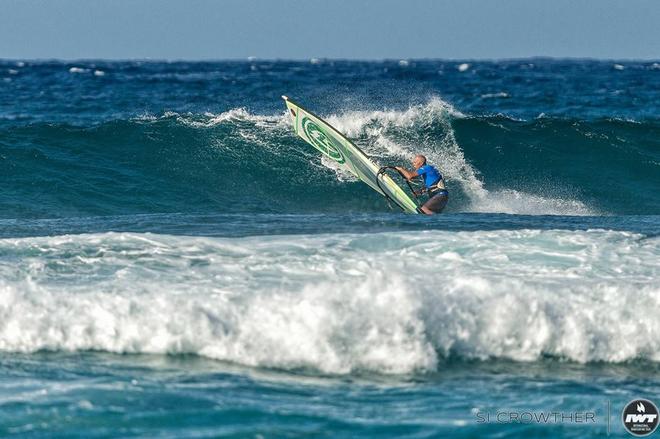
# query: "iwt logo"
640, 417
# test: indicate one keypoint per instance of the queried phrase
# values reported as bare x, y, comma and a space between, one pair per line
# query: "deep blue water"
175, 262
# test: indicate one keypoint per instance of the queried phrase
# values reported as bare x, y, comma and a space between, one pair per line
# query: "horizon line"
330, 59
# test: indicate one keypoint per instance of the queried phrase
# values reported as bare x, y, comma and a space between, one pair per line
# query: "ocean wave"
387, 303
238, 160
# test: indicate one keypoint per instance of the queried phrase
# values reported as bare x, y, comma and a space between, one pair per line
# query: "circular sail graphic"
323, 141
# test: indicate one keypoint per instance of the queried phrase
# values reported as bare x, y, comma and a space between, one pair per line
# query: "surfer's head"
419, 161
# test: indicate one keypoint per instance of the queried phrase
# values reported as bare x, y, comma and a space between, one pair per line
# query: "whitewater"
324, 302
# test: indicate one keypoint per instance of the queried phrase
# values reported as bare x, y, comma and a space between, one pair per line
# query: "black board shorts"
437, 202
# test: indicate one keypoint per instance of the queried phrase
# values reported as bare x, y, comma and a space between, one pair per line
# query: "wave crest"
337, 304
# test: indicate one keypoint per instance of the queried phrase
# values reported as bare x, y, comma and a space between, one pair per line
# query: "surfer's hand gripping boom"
398, 169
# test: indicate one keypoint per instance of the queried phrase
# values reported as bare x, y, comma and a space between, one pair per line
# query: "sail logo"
322, 141
640, 417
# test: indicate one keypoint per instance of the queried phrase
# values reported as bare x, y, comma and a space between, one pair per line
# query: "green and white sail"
330, 142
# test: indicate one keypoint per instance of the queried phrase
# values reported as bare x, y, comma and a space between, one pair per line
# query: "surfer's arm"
406, 173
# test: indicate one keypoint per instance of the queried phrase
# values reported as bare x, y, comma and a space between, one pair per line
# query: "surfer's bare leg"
435, 204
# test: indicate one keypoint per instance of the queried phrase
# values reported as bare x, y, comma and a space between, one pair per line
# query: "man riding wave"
434, 185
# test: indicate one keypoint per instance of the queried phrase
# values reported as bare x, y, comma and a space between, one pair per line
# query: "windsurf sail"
331, 143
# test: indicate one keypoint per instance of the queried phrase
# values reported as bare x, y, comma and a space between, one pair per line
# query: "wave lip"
395, 302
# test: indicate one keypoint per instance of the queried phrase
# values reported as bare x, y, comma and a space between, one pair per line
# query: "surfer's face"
417, 162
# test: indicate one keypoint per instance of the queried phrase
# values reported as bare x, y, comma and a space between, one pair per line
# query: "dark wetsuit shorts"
438, 201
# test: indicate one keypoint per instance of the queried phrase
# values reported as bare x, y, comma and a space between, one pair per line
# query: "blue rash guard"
430, 175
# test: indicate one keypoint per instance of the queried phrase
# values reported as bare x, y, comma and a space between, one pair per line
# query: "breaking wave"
337, 304
238, 161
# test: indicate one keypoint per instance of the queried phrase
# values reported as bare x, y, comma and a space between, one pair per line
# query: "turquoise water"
175, 262
99, 394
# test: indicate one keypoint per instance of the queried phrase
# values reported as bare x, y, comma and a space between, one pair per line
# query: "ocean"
175, 262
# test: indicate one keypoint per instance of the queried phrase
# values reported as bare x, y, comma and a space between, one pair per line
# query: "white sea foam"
523, 203
99, 73
463, 67
500, 94
353, 123
78, 70
235, 114
243, 114
337, 303
208, 120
